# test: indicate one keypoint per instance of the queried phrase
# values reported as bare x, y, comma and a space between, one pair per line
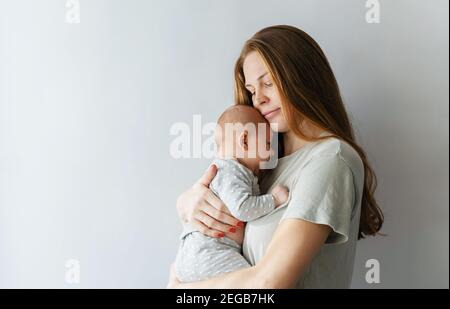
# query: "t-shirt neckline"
303, 148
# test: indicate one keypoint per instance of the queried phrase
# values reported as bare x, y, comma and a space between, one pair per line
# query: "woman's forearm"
290, 251
246, 278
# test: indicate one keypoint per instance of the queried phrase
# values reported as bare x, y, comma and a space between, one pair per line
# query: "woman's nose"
259, 99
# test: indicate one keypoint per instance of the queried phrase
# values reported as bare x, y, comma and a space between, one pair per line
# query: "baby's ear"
243, 140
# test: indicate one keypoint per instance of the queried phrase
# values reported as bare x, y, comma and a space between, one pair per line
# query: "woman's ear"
243, 140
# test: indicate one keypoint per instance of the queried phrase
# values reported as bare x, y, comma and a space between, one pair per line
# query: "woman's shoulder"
339, 150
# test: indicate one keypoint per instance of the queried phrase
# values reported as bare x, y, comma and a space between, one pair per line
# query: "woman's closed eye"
267, 85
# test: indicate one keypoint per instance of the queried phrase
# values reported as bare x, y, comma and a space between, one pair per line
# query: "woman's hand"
200, 207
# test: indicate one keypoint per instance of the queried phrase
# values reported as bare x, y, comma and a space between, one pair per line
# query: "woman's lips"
271, 113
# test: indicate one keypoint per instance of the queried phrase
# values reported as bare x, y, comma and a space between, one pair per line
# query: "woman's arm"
290, 251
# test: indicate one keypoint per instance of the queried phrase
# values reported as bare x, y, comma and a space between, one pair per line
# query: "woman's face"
265, 95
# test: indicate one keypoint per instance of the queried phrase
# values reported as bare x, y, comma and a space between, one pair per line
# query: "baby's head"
243, 133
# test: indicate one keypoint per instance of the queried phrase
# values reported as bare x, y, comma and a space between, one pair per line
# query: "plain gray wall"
85, 113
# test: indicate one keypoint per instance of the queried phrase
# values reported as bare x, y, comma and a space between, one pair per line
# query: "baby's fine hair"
239, 114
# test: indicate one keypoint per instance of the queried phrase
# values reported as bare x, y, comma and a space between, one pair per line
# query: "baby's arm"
235, 190
255, 206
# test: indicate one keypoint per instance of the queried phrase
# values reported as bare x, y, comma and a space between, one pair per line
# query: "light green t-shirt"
325, 181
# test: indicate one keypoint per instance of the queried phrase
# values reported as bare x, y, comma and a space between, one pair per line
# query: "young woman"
310, 242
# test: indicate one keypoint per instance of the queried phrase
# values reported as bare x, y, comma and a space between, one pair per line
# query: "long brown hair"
309, 91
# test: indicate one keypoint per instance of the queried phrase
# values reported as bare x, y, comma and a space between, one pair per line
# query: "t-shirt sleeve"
324, 193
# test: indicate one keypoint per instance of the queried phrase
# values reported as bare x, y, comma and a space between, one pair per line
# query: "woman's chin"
277, 126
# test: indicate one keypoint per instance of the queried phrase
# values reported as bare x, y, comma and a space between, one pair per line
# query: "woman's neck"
292, 142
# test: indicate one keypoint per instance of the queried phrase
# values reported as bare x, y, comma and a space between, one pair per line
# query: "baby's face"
262, 143
251, 141
258, 148
243, 133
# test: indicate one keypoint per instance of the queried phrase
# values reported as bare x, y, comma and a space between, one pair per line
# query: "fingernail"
232, 229
240, 224
220, 235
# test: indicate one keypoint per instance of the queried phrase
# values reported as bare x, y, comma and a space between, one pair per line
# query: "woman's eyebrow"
248, 85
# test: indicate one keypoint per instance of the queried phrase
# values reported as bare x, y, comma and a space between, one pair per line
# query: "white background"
85, 113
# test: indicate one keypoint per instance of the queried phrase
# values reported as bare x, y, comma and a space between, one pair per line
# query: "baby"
240, 152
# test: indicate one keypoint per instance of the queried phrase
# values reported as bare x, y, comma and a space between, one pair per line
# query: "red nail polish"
220, 235
232, 229
240, 224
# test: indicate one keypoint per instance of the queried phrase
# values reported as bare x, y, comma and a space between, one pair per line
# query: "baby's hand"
280, 195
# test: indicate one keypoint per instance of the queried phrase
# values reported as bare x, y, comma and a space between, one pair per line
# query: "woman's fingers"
222, 214
209, 215
208, 176
213, 224
221, 217
202, 228
218, 210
